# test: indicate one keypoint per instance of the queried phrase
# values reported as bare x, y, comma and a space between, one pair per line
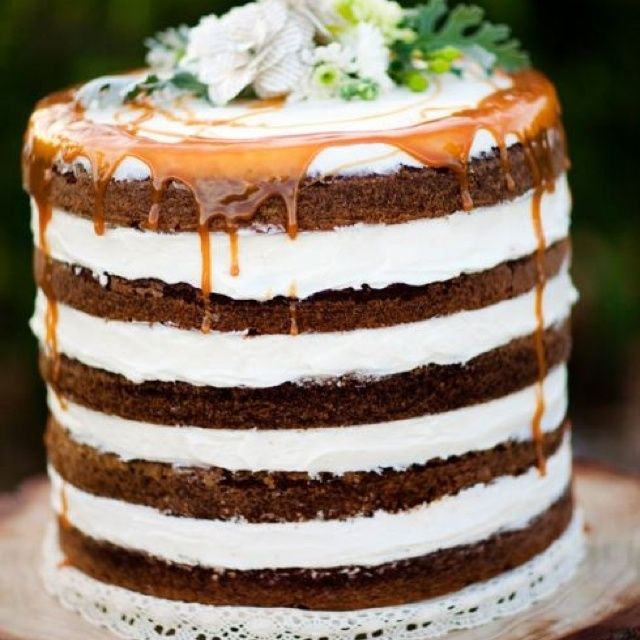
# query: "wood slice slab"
601, 603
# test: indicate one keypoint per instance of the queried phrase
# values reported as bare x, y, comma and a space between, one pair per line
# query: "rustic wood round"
601, 603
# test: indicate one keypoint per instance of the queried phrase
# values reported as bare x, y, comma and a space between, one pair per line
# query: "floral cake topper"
352, 49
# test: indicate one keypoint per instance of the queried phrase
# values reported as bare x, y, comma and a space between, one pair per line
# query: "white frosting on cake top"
251, 120
243, 120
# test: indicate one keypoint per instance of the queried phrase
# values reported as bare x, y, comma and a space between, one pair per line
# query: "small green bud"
369, 91
416, 81
446, 53
439, 65
362, 89
326, 75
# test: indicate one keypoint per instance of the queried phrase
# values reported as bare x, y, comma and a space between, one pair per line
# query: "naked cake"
303, 311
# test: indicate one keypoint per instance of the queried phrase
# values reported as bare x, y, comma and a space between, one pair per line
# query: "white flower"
262, 45
159, 58
354, 66
167, 47
334, 54
321, 13
369, 54
384, 14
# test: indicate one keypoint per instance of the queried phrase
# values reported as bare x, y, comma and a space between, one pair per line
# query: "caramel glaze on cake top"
231, 179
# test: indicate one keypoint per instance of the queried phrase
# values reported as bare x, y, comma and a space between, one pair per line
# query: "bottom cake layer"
339, 588
134, 615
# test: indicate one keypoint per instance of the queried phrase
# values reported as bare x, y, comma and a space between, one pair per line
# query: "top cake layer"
467, 141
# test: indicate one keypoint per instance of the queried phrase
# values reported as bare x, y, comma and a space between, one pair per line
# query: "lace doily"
133, 615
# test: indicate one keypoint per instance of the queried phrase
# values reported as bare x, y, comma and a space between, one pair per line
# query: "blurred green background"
588, 47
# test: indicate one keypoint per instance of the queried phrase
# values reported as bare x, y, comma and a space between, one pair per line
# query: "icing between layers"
141, 351
397, 444
472, 515
272, 264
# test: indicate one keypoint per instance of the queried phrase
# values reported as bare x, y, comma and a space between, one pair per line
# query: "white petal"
204, 37
227, 87
280, 79
211, 70
254, 25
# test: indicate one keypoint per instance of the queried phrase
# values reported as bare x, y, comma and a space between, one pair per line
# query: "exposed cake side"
278, 380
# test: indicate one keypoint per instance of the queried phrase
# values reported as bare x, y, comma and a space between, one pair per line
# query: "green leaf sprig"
166, 49
441, 37
181, 80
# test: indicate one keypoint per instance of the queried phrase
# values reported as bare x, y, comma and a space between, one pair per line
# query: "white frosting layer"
398, 109
396, 444
414, 253
141, 351
472, 515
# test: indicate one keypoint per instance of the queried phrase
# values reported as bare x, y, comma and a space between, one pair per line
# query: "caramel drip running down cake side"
305, 340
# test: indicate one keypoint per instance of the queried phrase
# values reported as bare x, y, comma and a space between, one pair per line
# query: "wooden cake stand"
601, 603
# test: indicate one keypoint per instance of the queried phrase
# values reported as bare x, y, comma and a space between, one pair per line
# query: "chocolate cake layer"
265, 496
183, 306
336, 402
337, 589
323, 203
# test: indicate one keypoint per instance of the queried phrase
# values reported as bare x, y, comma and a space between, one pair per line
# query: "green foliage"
465, 28
181, 80
186, 81
441, 36
361, 89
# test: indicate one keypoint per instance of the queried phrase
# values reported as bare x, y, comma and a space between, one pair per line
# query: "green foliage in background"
589, 48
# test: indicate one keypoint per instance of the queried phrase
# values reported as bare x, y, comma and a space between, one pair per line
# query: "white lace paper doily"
133, 615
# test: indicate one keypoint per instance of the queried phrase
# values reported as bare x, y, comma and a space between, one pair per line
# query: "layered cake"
303, 311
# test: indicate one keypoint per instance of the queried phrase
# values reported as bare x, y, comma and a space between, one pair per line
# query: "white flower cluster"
295, 48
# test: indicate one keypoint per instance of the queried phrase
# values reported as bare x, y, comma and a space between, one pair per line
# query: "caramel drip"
465, 193
51, 324
156, 199
536, 423
540, 160
505, 164
234, 268
289, 192
102, 174
63, 518
293, 314
205, 278
38, 161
